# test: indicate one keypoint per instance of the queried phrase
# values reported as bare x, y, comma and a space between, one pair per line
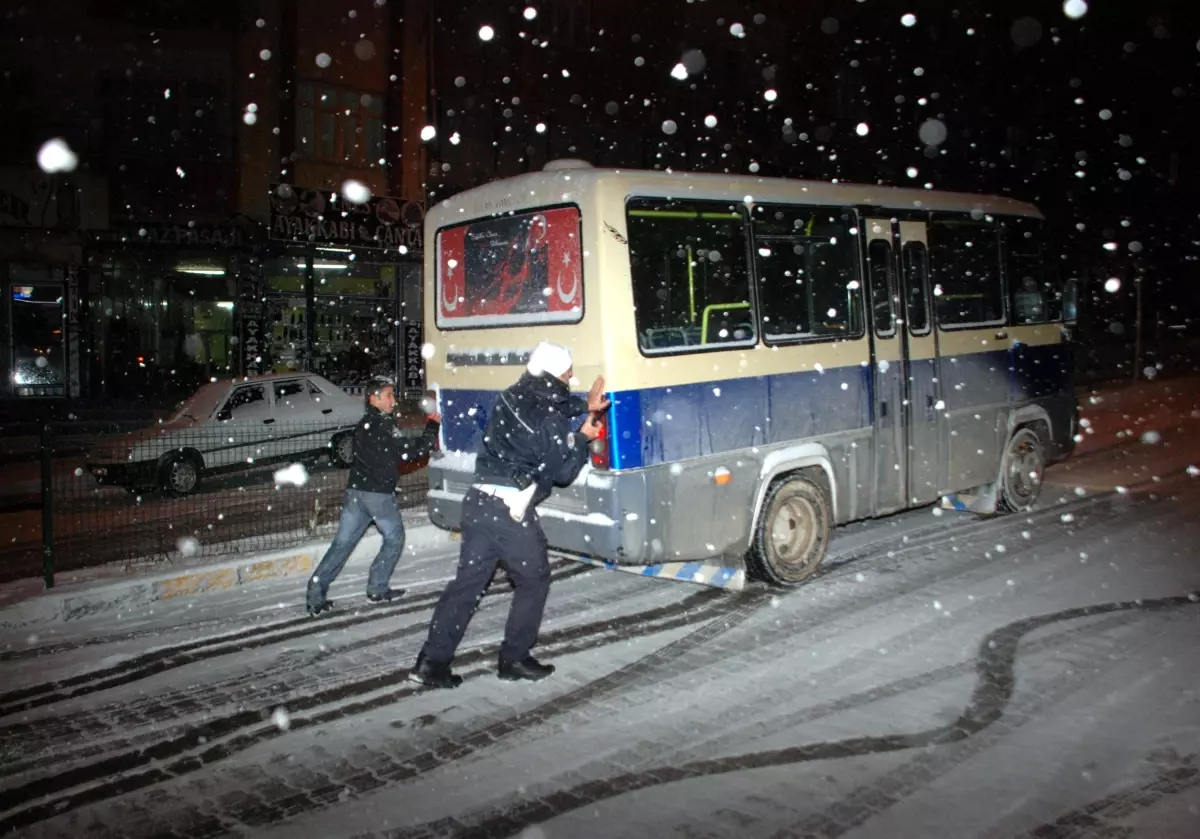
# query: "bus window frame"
752, 304
993, 219
856, 269
524, 324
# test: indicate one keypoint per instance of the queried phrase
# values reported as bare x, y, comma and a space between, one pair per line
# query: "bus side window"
1070, 300
1032, 283
879, 277
804, 269
690, 270
916, 278
964, 257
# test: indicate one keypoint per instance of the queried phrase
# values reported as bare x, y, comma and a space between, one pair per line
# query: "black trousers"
490, 536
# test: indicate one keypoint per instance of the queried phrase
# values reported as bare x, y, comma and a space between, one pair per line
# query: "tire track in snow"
218, 739
190, 652
458, 748
991, 700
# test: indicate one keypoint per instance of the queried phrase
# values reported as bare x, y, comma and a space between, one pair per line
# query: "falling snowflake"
909, 20
486, 33
294, 475
56, 156
356, 192
1075, 9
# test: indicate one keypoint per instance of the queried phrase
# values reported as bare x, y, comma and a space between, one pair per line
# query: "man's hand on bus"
591, 427
597, 401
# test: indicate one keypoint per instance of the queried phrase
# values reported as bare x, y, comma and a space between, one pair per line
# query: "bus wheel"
1021, 471
792, 533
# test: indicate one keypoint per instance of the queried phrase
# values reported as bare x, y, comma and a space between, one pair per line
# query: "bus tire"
792, 533
1021, 471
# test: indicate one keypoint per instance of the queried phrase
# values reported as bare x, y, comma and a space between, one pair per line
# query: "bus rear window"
512, 270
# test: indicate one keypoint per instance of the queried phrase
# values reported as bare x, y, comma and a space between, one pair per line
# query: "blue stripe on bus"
659, 425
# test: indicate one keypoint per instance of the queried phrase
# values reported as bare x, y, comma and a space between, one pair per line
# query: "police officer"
528, 448
379, 449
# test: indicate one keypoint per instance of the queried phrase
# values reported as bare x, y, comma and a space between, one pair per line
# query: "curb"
92, 600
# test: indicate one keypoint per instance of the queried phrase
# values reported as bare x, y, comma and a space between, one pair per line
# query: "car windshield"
200, 404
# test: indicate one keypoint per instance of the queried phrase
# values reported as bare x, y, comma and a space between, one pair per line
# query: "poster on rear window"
519, 269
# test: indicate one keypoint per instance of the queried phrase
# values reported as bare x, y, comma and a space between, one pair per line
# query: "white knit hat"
549, 358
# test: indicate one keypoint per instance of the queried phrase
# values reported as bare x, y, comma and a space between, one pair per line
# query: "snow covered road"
1034, 675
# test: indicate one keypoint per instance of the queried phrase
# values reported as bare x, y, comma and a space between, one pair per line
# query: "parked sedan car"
227, 426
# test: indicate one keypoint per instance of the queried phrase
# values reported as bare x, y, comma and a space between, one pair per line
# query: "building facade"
204, 232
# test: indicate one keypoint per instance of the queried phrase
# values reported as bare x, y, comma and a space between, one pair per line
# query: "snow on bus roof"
540, 189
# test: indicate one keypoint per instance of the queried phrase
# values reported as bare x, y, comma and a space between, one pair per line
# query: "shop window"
163, 322
339, 125
38, 360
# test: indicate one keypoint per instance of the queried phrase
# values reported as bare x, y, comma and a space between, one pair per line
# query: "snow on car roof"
206, 399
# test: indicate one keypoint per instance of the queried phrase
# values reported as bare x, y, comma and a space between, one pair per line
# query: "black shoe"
530, 670
434, 674
315, 609
387, 596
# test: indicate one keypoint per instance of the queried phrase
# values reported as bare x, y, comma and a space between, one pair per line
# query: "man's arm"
563, 453
415, 449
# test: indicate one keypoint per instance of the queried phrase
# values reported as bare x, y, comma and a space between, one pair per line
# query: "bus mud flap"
980, 500
716, 576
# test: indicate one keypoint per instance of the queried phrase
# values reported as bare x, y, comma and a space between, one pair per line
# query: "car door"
245, 422
299, 424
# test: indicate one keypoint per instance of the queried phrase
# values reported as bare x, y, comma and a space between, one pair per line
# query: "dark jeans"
359, 509
490, 536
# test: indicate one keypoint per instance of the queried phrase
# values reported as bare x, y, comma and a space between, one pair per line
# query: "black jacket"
529, 437
379, 450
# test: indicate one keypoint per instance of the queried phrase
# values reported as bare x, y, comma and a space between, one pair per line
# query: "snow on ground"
1032, 675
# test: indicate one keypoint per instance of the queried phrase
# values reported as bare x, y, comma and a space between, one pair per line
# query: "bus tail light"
599, 448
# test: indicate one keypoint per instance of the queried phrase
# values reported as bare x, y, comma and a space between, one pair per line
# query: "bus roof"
570, 185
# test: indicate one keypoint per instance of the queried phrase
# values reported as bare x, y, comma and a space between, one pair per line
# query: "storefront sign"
414, 361
222, 235
251, 316
324, 218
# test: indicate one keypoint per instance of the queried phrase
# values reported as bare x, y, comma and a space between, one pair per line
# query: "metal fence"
74, 496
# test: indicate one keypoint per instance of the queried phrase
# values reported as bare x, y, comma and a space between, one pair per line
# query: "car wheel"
1021, 472
179, 476
792, 533
341, 450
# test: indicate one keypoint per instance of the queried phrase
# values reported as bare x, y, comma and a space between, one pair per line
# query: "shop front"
338, 288
160, 309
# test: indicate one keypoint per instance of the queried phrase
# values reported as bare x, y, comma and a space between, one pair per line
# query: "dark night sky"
1091, 118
